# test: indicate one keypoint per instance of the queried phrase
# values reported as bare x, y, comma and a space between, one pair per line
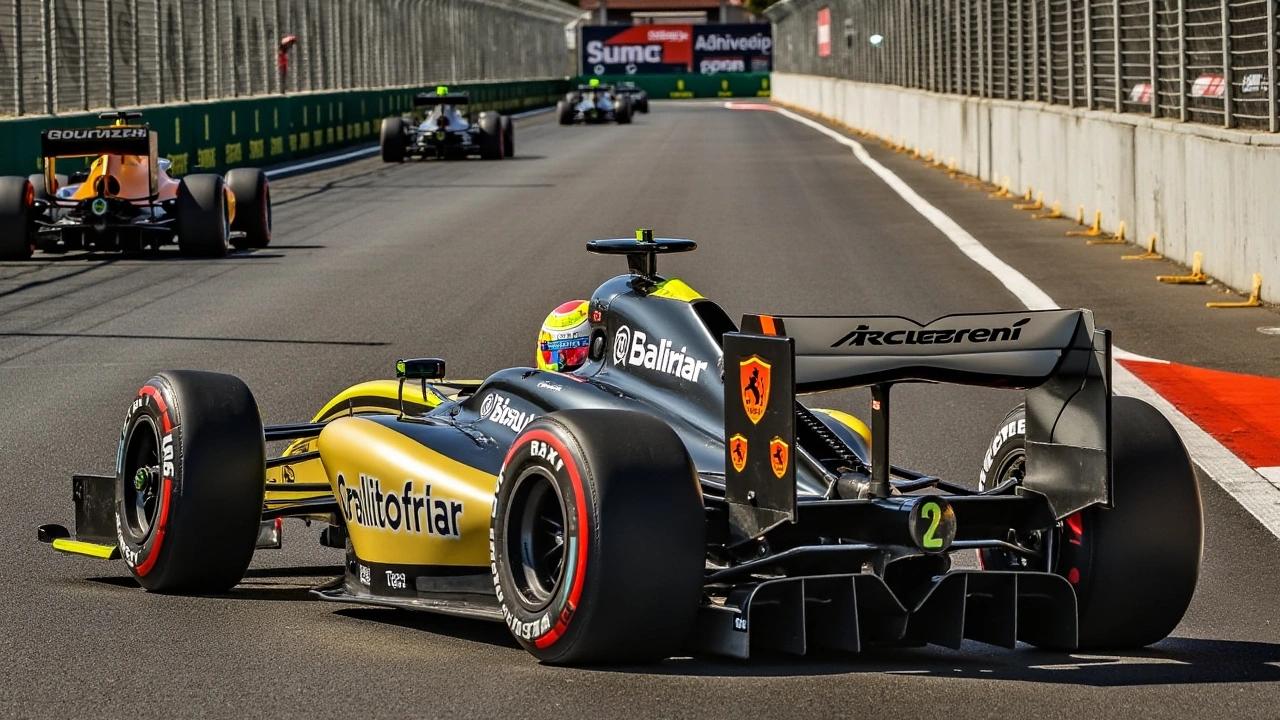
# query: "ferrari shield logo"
738, 452
779, 456
754, 377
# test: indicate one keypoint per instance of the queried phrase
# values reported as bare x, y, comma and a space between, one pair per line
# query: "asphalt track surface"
462, 260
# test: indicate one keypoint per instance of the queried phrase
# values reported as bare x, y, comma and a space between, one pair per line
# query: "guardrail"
217, 135
61, 56
1203, 61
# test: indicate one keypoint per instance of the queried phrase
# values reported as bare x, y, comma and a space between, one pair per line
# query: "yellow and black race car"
672, 494
126, 199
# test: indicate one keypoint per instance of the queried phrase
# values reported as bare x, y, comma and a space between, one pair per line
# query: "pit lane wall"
662, 86
267, 130
1197, 188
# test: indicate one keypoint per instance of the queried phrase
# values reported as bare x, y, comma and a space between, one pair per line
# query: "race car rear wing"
117, 139
433, 99
82, 142
1056, 355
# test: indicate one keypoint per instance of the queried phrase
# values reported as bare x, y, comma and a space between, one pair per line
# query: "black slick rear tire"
622, 579
16, 195
564, 112
490, 136
1135, 566
393, 141
190, 482
203, 230
508, 136
253, 207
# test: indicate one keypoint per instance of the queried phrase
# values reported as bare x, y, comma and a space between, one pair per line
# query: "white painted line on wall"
295, 168
1250, 488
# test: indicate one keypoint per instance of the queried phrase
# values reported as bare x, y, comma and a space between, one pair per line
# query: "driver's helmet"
565, 337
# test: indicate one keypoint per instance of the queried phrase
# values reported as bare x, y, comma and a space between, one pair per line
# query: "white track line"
1251, 489
361, 153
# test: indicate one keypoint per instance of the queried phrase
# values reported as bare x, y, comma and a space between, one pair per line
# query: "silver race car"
594, 102
447, 133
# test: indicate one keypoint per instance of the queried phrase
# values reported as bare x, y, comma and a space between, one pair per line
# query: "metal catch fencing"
74, 55
1204, 61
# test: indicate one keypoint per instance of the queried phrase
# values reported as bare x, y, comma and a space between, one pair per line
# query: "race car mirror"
420, 369
760, 432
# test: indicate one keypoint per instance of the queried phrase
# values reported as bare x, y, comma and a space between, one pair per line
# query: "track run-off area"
462, 260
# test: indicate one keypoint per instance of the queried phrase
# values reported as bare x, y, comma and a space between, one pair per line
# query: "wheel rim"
141, 477
1013, 466
534, 529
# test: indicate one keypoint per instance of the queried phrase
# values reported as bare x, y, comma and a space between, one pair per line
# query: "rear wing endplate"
1055, 355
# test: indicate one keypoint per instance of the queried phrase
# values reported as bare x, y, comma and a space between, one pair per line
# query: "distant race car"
594, 102
673, 494
126, 199
446, 133
639, 96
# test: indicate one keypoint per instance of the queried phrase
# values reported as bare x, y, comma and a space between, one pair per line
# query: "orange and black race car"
126, 200
674, 494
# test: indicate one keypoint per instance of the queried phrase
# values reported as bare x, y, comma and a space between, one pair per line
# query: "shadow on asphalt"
269, 584
1173, 661
469, 629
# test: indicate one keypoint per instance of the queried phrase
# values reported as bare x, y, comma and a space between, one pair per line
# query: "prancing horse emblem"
755, 376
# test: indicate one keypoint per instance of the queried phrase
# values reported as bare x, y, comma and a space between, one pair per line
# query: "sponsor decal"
396, 580
550, 386
755, 376
728, 42
411, 511
1016, 428
738, 452
632, 348
824, 32
711, 66
497, 408
1208, 85
677, 48
543, 450
739, 623
864, 335
364, 575
566, 343
121, 133
779, 456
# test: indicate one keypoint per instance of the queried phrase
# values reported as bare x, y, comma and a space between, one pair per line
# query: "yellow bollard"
1094, 231
1150, 254
1251, 302
1003, 192
1197, 277
1051, 215
1117, 239
1037, 205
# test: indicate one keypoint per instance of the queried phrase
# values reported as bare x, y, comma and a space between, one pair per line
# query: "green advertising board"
693, 85
218, 135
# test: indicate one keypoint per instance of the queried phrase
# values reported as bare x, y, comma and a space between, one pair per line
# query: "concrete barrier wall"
1196, 188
